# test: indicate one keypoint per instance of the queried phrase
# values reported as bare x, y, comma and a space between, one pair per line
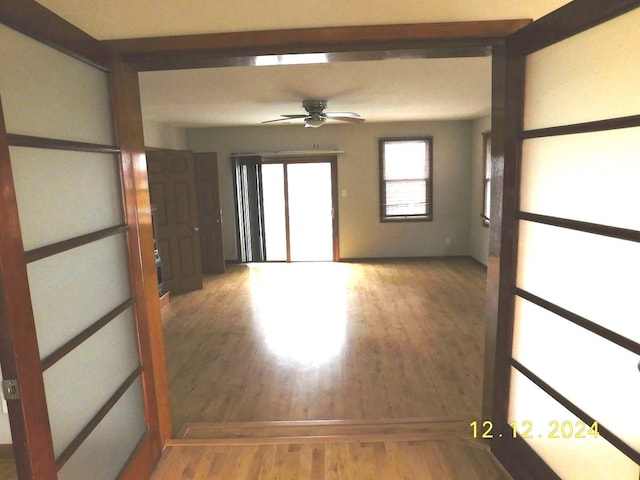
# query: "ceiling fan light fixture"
314, 121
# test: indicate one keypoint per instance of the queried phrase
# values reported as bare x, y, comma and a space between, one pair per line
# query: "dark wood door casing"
172, 189
210, 212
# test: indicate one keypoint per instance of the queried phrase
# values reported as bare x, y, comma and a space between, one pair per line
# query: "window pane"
487, 198
406, 198
275, 237
403, 160
310, 215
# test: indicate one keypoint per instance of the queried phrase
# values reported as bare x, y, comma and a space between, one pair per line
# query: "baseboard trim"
164, 300
400, 259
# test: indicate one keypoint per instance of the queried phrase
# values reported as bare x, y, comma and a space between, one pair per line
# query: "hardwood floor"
309, 341
388, 460
425, 450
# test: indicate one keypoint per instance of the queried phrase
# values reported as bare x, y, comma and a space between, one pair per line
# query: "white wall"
361, 233
162, 135
479, 242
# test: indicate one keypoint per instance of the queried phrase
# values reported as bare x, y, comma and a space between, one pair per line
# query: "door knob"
195, 229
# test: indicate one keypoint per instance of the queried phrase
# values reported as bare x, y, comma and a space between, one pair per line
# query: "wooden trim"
323, 423
63, 246
287, 220
373, 41
84, 335
506, 168
607, 434
129, 133
594, 228
586, 127
336, 208
19, 353
593, 327
305, 431
16, 140
39, 23
165, 299
498, 125
571, 19
95, 421
406, 259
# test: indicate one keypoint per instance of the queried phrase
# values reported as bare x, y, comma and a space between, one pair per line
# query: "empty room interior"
314, 242
284, 335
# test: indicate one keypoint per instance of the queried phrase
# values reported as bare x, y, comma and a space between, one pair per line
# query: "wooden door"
567, 383
74, 317
210, 212
172, 188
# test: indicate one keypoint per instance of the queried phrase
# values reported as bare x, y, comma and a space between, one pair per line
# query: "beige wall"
160, 135
479, 241
361, 233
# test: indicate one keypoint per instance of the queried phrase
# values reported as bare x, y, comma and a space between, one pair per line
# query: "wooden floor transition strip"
323, 431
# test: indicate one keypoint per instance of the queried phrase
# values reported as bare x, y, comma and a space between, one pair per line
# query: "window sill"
405, 219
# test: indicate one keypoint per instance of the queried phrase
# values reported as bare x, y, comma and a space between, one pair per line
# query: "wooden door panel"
208, 190
172, 189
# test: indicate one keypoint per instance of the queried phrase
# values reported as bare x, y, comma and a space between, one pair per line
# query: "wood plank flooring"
371, 460
310, 341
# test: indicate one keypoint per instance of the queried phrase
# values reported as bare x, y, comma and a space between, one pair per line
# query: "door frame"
435, 40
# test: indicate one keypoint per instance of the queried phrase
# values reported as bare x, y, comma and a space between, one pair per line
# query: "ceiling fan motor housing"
314, 106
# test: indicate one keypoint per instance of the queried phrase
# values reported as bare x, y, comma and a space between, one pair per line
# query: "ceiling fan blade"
347, 119
286, 117
341, 114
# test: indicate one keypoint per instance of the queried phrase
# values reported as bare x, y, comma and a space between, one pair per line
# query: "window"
486, 205
406, 179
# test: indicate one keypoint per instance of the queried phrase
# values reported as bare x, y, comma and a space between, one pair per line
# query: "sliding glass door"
293, 203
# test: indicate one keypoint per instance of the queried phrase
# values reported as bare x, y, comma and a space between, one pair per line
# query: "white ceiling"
388, 90
380, 91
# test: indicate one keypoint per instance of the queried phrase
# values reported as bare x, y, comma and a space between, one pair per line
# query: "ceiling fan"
316, 116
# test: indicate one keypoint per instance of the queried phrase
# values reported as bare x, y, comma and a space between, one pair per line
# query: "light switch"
344, 193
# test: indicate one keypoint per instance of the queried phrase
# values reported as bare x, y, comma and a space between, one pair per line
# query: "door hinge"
10, 389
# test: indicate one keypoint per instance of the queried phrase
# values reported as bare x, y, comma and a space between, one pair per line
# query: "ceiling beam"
370, 42
34, 20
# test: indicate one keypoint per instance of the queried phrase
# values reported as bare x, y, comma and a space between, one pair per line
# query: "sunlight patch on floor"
301, 309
